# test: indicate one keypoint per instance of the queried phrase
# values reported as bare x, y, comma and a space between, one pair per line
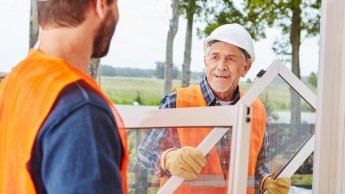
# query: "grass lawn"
299, 179
149, 91
126, 90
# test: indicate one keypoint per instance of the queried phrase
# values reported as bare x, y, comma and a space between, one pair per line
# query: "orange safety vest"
27, 95
211, 179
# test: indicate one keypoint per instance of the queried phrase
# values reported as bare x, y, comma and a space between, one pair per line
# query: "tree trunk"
169, 48
93, 67
33, 24
188, 45
295, 40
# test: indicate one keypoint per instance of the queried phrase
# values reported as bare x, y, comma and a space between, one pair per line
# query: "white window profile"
227, 116
329, 160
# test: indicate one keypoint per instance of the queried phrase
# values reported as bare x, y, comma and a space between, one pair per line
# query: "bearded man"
58, 132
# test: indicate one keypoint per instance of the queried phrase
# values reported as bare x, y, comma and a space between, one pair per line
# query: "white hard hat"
233, 34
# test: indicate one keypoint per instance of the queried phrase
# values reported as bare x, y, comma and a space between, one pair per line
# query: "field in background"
126, 90
149, 91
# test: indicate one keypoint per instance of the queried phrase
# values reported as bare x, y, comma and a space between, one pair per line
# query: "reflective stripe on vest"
26, 98
193, 97
207, 180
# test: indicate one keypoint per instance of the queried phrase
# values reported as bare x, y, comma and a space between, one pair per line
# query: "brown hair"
63, 13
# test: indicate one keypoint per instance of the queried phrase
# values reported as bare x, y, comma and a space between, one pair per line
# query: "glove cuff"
265, 182
162, 162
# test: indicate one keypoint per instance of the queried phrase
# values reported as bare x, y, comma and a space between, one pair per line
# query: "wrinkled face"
105, 32
225, 64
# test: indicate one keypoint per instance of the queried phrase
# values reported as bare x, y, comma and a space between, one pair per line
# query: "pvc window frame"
234, 116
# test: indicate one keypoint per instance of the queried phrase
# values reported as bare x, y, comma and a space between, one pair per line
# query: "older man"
58, 132
229, 54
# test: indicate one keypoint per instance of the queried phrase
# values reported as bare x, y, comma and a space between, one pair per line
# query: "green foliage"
138, 98
110, 71
148, 91
276, 96
256, 16
312, 79
197, 75
292, 17
192, 7
299, 179
249, 80
107, 70
159, 71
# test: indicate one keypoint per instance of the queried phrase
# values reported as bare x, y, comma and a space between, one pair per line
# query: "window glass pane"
290, 123
145, 173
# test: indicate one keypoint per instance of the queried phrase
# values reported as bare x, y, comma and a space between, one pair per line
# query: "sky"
140, 39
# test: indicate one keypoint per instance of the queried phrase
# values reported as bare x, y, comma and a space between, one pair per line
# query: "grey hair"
244, 52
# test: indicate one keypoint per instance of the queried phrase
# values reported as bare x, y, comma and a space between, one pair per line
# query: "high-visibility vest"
211, 178
27, 95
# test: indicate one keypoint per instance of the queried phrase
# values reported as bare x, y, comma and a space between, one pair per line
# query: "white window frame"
227, 116
238, 117
329, 162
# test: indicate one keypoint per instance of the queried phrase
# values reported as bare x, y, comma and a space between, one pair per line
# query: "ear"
246, 67
101, 8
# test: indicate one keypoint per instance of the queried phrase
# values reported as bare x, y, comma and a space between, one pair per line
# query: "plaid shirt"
155, 141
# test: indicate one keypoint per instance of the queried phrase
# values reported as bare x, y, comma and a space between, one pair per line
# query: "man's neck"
225, 96
69, 44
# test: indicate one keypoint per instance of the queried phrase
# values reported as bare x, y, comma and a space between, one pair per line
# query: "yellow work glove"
185, 162
279, 185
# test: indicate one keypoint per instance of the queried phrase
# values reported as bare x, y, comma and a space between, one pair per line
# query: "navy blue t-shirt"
78, 148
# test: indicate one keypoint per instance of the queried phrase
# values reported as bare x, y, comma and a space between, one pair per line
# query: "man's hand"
186, 162
279, 185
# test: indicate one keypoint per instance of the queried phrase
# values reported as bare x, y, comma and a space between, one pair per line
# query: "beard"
103, 36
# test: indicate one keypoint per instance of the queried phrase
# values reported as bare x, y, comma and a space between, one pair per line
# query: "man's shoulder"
258, 102
187, 89
258, 106
76, 100
181, 94
168, 101
78, 93
75, 96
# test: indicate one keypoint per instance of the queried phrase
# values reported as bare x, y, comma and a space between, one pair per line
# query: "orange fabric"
193, 97
27, 95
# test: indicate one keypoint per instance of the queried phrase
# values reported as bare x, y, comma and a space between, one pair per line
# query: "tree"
159, 72
33, 24
190, 8
312, 79
169, 48
93, 67
288, 15
293, 17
